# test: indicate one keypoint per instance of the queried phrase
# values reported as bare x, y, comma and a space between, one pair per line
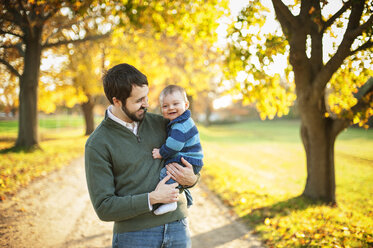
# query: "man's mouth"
143, 110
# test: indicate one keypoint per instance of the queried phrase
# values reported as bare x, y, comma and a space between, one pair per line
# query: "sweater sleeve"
100, 182
174, 143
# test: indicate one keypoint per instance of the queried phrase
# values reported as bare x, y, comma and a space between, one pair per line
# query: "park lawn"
62, 140
258, 168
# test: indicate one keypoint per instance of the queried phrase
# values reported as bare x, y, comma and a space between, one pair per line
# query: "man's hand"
164, 193
183, 175
156, 153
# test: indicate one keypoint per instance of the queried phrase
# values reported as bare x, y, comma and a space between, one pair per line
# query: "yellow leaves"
17, 169
22, 209
299, 235
346, 231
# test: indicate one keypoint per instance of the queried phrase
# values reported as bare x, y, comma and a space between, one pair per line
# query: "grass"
62, 140
258, 168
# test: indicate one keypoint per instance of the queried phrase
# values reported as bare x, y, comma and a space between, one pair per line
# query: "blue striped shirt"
183, 141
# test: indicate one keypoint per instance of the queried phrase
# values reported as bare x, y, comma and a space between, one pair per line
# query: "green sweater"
121, 171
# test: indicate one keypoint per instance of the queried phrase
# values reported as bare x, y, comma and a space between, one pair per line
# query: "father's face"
136, 104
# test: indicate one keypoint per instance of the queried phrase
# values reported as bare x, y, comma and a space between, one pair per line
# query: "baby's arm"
156, 153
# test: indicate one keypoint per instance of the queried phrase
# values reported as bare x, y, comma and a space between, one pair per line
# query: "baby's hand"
156, 153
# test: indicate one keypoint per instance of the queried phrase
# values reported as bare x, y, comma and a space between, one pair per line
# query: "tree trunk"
87, 109
28, 137
208, 112
318, 141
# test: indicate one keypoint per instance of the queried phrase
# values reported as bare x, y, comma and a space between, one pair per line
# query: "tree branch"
356, 32
331, 20
10, 67
363, 47
65, 42
357, 8
343, 50
11, 46
285, 17
11, 33
24, 16
51, 13
17, 17
364, 90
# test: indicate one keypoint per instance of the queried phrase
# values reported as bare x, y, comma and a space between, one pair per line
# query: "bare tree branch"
11, 46
354, 20
305, 6
363, 47
285, 17
18, 19
10, 67
344, 49
332, 19
11, 33
52, 13
24, 16
361, 28
65, 42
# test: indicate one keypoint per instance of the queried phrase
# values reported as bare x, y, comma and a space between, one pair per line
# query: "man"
122, 176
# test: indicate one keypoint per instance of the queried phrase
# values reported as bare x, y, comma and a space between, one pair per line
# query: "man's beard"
132, 115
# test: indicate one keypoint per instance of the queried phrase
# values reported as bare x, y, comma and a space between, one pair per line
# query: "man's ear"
116, 102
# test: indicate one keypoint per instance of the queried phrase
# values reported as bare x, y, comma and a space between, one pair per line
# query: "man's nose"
145, 103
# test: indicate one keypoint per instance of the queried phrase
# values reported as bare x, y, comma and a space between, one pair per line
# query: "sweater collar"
186, 115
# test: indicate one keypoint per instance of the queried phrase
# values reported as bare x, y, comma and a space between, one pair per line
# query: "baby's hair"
171, 89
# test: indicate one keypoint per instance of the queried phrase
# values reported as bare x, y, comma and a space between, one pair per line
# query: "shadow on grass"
16, 149
283, 208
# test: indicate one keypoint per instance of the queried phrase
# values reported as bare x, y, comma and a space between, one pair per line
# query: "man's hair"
171, 89
118, 81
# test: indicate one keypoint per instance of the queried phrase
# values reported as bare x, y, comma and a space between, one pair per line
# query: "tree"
26, 28
75, 79
191, 62
86, 64
186, 58
329, 85
29, 26
8, 99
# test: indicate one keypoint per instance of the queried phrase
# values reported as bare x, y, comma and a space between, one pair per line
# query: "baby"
182, 141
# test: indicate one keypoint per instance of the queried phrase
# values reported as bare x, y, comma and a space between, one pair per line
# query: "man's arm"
183, 175
108, 205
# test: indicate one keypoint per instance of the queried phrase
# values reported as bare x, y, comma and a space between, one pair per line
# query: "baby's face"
173, 105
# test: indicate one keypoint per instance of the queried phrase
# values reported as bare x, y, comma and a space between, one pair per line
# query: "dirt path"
55, 211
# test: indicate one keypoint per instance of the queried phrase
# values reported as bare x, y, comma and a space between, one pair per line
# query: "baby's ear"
186, 104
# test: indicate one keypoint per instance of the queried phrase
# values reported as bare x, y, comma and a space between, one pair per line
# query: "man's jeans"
171, 235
